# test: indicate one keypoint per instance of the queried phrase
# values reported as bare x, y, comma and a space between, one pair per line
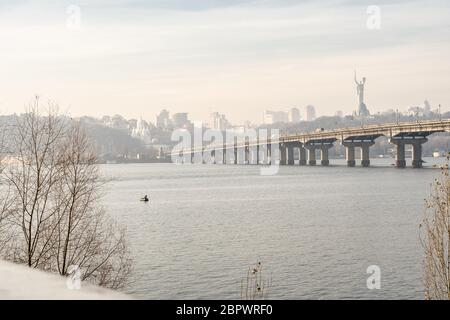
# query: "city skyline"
237, 58
166, 119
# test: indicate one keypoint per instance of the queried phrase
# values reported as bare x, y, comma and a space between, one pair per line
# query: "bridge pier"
255, 154
290, 154
400, 161
324, 156
202, 154
246, 154
261, 154
282, 150
239, 155
242, 155
229, 156
365, 158
235, 153
197, 158
213, 156
312, 156
323, 145
224, 154
324, 160
302, 160
417, 153
269, 154
350, 155
184, 158
416, 142
364, 144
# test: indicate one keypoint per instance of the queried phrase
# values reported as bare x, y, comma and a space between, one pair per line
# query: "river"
314, 229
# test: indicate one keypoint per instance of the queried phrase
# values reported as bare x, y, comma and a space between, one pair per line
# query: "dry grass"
435, 238
255, 286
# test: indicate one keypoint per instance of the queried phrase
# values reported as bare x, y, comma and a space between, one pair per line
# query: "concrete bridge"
281, 149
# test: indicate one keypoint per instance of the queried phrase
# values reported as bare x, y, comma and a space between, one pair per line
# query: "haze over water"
315, 229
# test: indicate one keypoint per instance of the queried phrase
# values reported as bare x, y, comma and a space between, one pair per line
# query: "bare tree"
33, 177
86, 238
6, 211
5, 195
57, 189
435, 239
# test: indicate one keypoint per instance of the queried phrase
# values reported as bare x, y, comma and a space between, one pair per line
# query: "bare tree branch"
55, 215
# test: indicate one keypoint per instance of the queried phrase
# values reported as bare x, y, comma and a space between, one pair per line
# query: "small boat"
145, 199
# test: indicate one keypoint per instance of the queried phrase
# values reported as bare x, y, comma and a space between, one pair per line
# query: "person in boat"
145, 198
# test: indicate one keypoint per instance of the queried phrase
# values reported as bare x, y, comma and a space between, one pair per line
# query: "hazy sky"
237, 57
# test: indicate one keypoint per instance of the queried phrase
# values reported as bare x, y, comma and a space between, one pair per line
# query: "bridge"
257, 150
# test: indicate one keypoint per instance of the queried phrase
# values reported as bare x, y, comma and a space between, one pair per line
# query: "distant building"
237, 129
294, 115
180, 120
248, 125
162, 119
339, 114
415, 111
219, 121
141, 131
132, 123
421, 111
116, 122
389, 112
310, 113
426, 108
271, 117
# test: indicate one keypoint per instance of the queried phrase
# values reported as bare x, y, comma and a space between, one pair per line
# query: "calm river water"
315, 229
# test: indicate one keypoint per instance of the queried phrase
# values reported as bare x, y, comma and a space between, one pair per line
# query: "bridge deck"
389, 130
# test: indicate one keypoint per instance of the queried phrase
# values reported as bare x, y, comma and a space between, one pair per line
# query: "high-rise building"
268, 117
219, 121
180, 120
426, 108
310, 113
162, 119
294, 115
271, 117
214, 122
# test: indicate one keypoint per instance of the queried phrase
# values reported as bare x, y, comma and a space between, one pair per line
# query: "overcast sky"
237, 57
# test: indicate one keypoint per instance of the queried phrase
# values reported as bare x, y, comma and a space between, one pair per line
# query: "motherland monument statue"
362, 108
